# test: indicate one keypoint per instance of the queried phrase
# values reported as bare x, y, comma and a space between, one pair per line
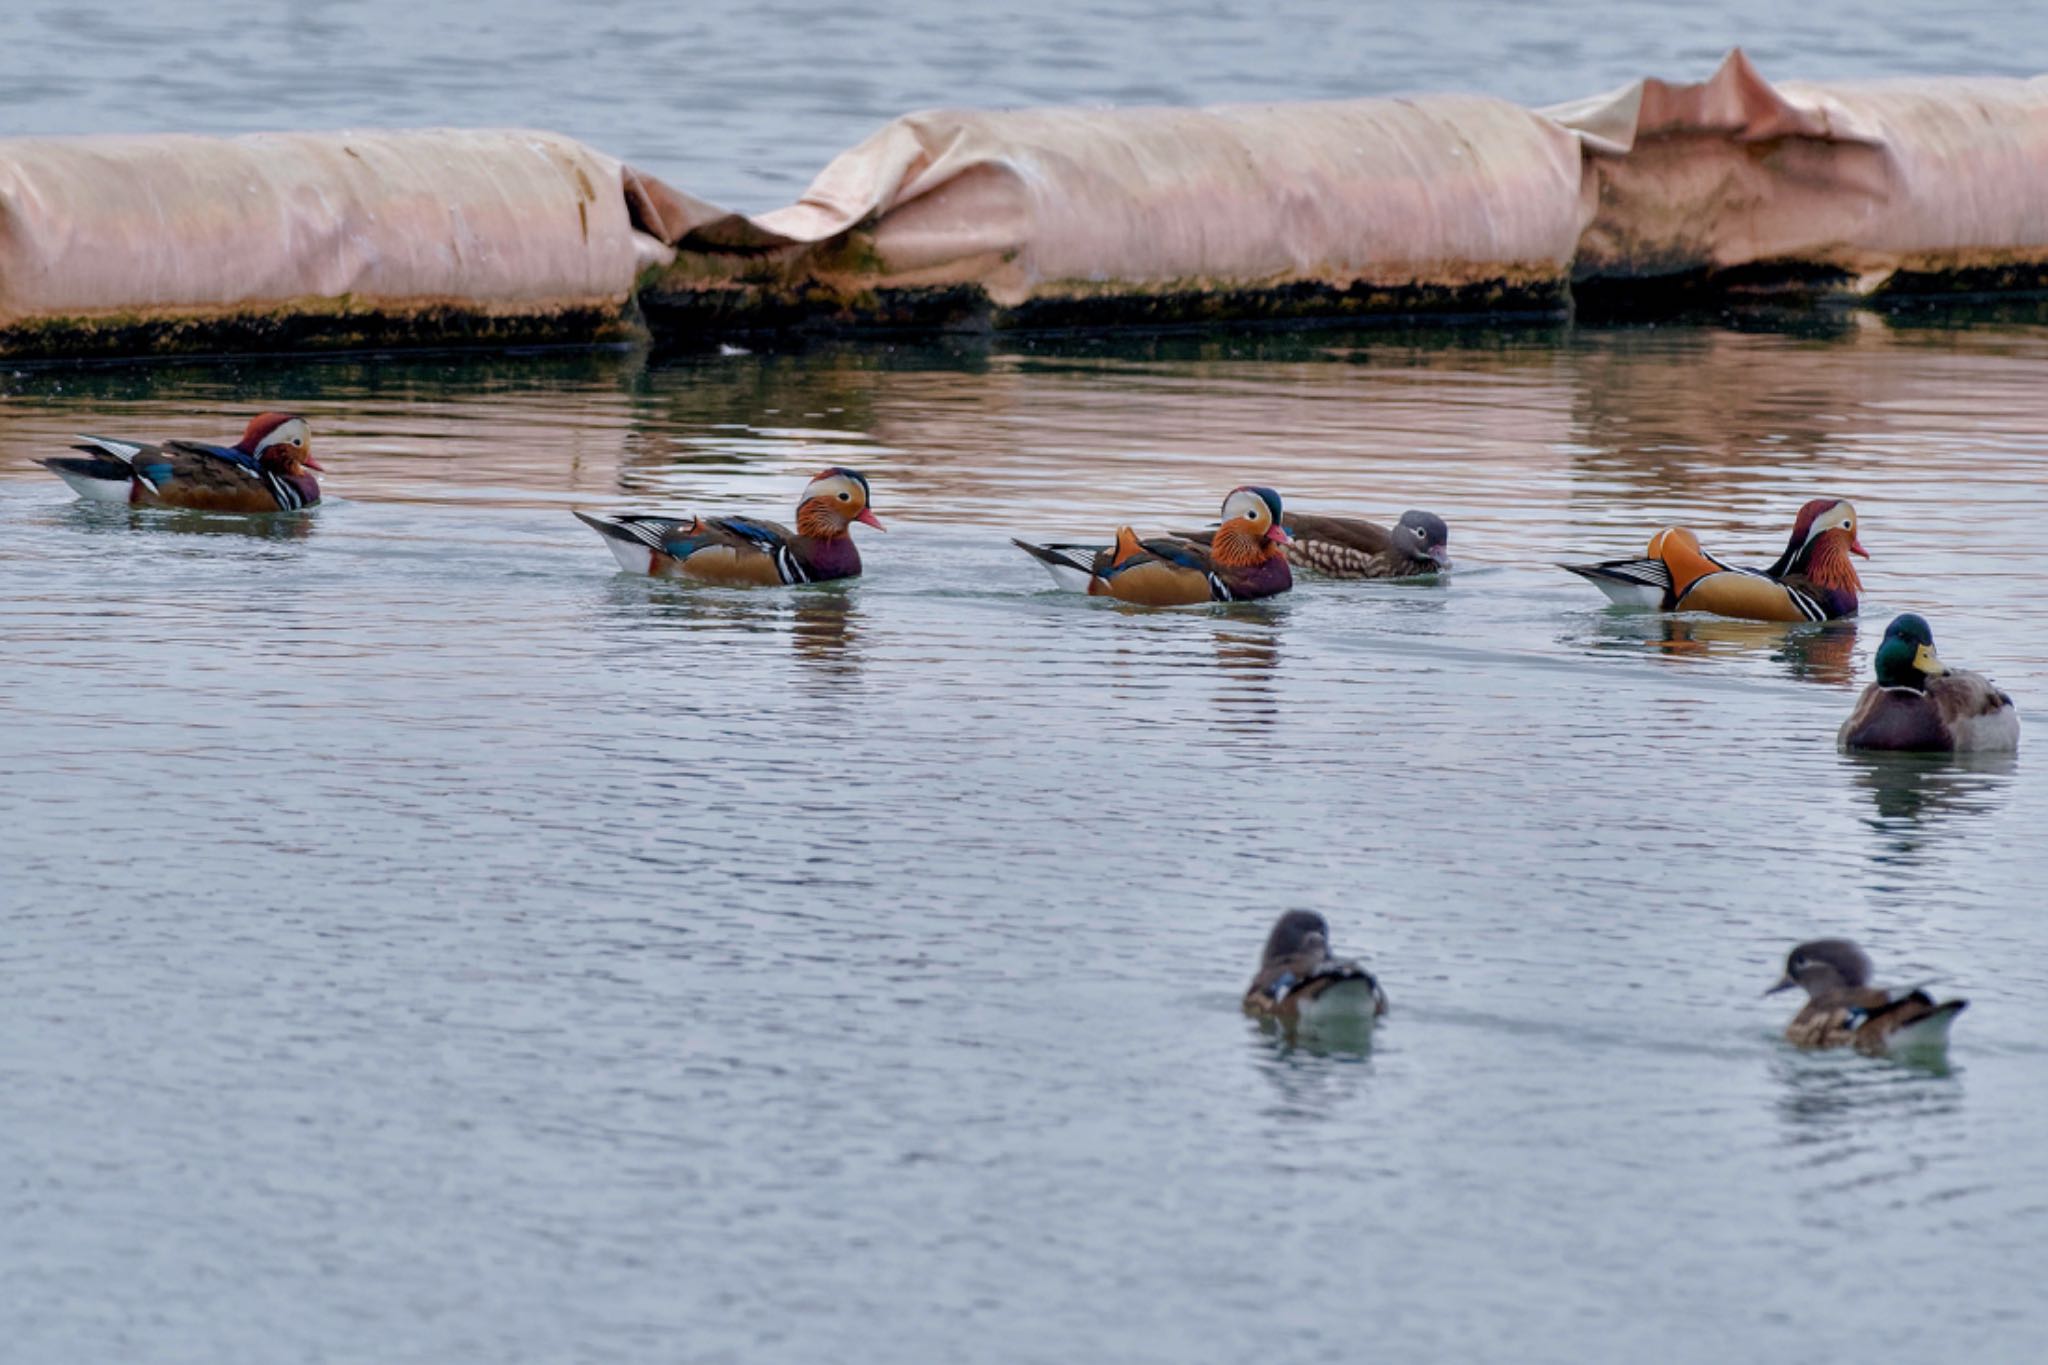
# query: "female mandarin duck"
1918, 705
1300, 983
1245, 559
745, 550
1844, 1010
265, 471
1351, 547
1813, 580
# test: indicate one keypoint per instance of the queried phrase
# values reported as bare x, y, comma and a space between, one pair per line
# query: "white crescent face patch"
294, 433
1250, 506
842, 492
1840, 517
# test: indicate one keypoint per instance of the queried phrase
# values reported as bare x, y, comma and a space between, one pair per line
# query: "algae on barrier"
843, 286
1979, 271
342, 323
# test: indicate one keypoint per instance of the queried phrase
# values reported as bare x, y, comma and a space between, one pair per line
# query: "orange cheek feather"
1239, 545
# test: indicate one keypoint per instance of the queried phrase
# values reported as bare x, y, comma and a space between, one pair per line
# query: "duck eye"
846, 497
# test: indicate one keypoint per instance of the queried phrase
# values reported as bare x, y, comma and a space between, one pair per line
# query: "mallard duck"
1300, 983
1245, 559
265, 471
746, 550
1918, 705
1352, 547
1813, 580
1844, 1010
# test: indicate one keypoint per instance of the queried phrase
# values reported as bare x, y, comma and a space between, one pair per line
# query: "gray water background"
424, 943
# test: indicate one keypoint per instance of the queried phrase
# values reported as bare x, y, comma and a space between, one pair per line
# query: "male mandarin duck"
1351, 547
265, 471
1245, 559
1844, 1010
1918, 705
1813, 580
1300, 983
747, 550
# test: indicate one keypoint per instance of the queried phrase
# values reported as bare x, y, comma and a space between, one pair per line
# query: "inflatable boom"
1059, 218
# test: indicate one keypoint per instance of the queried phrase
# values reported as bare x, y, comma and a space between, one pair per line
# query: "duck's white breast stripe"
283, 491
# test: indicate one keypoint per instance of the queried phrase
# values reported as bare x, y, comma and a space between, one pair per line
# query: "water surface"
427, 942
424, 943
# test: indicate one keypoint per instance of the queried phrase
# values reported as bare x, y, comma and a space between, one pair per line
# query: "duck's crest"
841, 471
260, 426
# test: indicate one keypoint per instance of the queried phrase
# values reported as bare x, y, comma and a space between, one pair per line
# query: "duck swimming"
1245, 559
265, 471
1352, 547
1844, 1010
1299, 982
1814, 580
747, 550
1920, 705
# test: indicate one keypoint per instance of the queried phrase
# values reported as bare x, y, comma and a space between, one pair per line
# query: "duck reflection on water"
1819, 653
822, 622
122, 519
825, 629
1248, 660
1915, 795
1837, 1099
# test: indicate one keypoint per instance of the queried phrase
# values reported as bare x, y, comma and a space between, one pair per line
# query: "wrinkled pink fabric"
491, 220
1868, 178
1443, 189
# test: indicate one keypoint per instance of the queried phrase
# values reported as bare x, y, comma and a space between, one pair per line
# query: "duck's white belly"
1350, 1003
1996, 733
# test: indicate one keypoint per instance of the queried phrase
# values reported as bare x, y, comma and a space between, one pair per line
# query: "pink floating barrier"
1865, 187
168, 243
1071, 215
1036, 218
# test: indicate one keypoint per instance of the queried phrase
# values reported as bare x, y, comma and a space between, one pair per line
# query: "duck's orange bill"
309, 462
1856, 547
871, 519
1278, 534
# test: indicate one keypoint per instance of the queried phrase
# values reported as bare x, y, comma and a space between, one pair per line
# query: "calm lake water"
425, 943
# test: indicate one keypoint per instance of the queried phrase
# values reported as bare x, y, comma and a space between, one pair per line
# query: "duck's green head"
1907, 657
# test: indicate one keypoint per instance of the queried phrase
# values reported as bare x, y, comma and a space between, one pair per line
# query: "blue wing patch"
161, 468
741, 527
228, 453
1174, 552
685, 540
